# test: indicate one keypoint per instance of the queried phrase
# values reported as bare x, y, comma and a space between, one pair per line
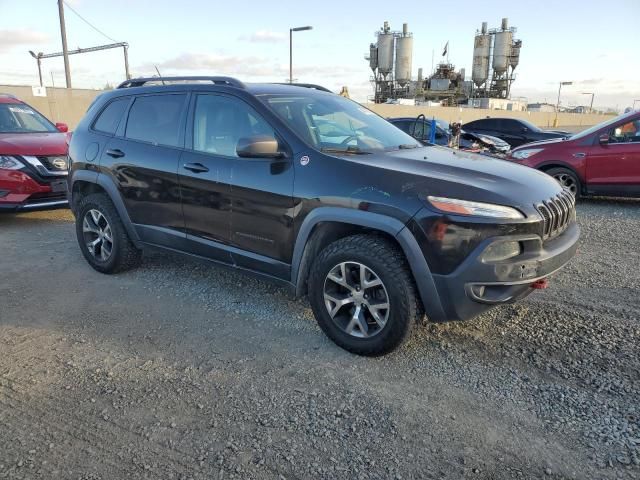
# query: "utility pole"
555, 123
65, 51
126, 62
592, 95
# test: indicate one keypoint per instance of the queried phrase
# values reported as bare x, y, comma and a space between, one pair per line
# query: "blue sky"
585, 42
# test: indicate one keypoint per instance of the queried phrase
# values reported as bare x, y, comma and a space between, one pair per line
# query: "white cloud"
265, 36
10, 39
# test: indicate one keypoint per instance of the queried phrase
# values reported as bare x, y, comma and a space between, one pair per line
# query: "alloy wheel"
356, 299
567, 182
98, 236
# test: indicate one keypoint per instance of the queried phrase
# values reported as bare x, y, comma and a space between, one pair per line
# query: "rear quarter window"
109, 118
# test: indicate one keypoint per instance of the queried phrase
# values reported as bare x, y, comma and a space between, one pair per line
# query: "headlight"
10, 163
486, 140
465, 207
501, 251
526, 153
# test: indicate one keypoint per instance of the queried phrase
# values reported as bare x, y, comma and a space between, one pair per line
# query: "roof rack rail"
307, 85
138, 82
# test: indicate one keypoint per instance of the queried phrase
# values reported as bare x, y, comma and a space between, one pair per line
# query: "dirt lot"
182, 371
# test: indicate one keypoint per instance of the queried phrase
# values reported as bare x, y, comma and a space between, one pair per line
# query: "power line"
89, 23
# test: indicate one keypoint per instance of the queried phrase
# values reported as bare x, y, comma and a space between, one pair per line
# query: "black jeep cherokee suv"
317, 192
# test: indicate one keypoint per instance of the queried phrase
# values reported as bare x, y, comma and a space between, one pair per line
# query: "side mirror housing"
62, 127
603, 139
258, 146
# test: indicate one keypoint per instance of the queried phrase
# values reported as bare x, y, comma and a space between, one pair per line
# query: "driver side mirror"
603, 139
62, 127
258, 146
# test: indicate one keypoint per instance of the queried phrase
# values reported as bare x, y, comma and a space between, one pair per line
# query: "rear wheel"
103, 240
362, 294
567, 179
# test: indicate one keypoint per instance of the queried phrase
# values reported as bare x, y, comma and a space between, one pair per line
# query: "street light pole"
65, 51
555, 123
291, 30
38, 58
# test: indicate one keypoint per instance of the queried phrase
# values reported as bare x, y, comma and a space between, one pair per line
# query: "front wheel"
567, 179
102, 237
363, 295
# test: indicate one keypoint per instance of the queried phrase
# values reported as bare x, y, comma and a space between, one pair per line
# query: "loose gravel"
184, 371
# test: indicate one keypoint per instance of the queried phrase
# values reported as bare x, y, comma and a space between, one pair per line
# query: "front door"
255, 194
614, 167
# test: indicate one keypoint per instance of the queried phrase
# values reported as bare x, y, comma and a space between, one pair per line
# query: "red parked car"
602, 160
33, 158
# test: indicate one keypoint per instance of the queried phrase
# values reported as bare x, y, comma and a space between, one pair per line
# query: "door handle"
579, 155
196, 167
115, 153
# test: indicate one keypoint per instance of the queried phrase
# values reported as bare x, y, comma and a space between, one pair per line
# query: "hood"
440, 171
541, 143
49, 143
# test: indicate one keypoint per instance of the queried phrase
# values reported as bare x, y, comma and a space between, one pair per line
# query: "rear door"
142, 160
614, 168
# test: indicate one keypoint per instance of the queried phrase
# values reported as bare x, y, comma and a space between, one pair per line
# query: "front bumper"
476, 286
19, 191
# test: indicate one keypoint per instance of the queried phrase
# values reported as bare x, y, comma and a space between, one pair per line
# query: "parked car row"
420, 129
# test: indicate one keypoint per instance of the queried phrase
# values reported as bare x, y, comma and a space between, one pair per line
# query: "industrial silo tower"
497, 48
390, 60
404, 56
481, 52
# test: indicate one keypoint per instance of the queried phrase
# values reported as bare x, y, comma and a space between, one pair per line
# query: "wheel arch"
545, 167
327, 224
84, 183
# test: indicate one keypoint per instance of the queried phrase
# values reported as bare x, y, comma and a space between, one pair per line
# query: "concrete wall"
456, 114
60, 104
63, 105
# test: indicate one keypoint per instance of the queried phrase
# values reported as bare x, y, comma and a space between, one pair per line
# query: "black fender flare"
109, 186
394, 227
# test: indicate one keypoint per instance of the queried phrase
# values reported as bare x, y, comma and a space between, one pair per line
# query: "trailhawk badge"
304, 160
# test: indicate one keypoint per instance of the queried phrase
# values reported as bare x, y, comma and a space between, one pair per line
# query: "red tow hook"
540, 284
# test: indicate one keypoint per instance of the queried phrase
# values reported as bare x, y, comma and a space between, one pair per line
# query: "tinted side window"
511, 126
626, 133
109, 118
484, 124
219, 122
156, 119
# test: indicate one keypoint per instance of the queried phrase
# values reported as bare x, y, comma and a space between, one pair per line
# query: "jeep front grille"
557, 213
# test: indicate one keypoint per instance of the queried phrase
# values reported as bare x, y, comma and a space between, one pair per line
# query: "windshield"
597, 127
334, 123
21, 118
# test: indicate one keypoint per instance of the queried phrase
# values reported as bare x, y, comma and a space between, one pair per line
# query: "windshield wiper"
351, 150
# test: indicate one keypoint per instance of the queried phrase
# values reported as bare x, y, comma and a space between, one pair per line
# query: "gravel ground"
182, 371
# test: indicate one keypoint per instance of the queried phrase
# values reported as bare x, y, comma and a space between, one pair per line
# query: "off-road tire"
124, 254
388, 262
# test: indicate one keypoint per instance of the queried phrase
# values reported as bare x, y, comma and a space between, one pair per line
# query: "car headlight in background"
501, 251
465, 207
526, 153
10, 163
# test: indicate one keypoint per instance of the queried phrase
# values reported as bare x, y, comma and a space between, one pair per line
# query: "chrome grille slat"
556, 213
